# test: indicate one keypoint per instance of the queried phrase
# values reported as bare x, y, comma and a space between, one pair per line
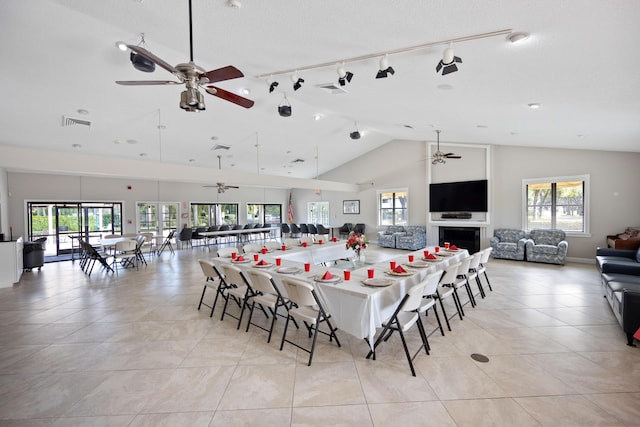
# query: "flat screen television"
465, 196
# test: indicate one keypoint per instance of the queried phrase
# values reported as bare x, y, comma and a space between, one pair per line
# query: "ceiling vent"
72, 121
297, 161
220, 147
332, 88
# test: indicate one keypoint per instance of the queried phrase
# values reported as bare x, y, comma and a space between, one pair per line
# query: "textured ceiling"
581, 64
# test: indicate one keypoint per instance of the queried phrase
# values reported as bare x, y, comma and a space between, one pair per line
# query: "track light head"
344, 76
297, 81
139, 62
448, 62
272, 86
385, 69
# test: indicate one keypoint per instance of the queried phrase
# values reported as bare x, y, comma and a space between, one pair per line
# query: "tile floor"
132, 350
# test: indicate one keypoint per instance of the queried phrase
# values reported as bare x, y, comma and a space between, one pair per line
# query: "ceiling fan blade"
448, 154
226, 73
452, 156
146, 82
231, 186
229, 96
153, 58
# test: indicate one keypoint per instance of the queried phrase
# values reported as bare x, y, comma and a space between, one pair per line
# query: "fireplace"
463, 237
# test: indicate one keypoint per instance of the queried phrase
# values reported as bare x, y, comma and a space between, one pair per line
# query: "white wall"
4, 204
43, 187
615, 177
615, 199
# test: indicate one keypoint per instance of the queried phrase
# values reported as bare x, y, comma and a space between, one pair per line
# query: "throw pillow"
638, 254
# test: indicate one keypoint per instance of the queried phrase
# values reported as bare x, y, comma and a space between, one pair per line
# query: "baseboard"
581, 260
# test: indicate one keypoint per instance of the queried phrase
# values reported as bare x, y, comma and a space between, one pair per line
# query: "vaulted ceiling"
59, 60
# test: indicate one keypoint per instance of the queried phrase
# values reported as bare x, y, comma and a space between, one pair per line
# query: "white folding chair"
430, 296
266, 295
238, 288
472, 272
486, 255
405, 316
215, 281
444, 291
309, 310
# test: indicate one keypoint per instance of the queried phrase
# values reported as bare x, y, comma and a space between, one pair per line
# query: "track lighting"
385, 69
297, 81
344, 76
272, 85
448, 62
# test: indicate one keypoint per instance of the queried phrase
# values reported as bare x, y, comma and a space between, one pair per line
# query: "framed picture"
351, 206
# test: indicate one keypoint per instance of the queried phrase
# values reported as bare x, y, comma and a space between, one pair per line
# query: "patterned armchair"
508, 243
414, 238
387, 238
547, 245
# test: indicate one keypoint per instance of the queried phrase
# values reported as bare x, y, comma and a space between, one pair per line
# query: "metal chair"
309, 310
405, 316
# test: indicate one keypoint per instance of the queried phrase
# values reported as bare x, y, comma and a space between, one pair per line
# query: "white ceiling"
581, 64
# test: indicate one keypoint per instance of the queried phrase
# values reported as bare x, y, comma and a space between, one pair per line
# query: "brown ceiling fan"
191, 75
439, 156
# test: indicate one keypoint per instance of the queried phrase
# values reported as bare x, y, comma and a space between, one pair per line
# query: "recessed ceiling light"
245, 91
143, 154
445, 87
162, 127
482, 126
117, 141
317, 117
192, 160
122, 46
77, 146
517, 37
513, 133
131, 141
234, 3
214, 138
534, 105
82, 111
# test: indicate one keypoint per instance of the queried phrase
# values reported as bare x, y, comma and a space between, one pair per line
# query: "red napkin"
262, 262
240, 258
399, 269
453, 247
431, 256
327, 276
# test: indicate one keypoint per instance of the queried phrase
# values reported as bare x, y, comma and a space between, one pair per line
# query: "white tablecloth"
356, 309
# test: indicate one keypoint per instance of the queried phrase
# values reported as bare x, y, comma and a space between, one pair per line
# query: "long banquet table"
237, 233
355, 308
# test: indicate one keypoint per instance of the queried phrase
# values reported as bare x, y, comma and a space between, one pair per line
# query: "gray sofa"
620, 273
547, 245
387, 238
508, 243
414, 238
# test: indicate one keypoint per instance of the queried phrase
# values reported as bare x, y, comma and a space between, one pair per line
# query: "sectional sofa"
620, 272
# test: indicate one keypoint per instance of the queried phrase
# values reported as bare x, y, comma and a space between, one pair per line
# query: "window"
208, 214
264, 214
557, 203
157, 218
393, 207
318, 213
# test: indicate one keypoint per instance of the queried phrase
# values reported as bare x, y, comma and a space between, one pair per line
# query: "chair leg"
479, 283
444, 313
488, 282
457, 302
406, 352
202, 296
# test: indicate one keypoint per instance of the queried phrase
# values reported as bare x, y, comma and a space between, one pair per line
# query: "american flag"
290, 209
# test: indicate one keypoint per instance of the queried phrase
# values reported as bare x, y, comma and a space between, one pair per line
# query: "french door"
62, 223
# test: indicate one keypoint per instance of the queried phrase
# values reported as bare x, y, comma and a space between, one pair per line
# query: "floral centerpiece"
357, 242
